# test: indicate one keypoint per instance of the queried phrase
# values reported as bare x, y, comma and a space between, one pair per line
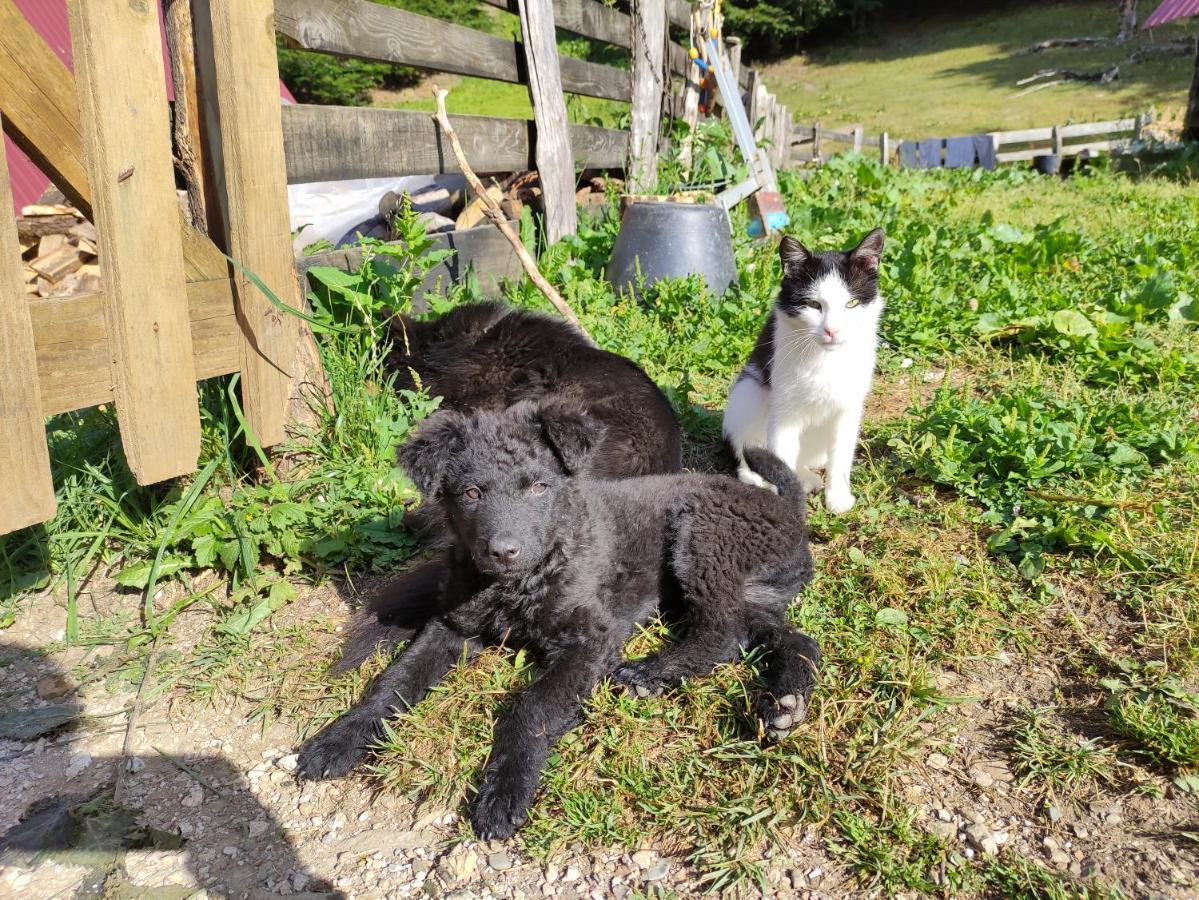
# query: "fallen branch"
1103, 76
1053, 43
491, 209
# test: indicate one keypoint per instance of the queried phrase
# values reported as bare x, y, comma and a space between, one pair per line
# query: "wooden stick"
492, 210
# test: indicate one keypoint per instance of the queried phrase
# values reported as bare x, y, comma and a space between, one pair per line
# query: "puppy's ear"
570, 432
424, 455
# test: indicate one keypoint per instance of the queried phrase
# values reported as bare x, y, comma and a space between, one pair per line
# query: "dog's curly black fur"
567, 566
490, 356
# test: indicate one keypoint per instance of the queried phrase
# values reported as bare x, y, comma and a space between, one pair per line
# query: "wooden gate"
171, 311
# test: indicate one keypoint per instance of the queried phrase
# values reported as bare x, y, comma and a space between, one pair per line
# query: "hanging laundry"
930, 153
959, 152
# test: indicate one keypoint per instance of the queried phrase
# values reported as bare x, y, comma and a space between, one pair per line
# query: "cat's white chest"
816, 383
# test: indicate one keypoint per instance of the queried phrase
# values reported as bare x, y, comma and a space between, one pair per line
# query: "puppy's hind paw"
778, 717
496, 812
335, 751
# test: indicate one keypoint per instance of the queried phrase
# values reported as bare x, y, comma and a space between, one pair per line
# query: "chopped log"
50, 243
45, 209
32, 227
85, 230
59, 264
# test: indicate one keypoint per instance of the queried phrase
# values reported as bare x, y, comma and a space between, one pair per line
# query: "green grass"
955, 72
1034, 444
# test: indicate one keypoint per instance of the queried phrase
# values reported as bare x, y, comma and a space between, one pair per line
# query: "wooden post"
782, 136
1057, 141
177, 15
126, 139
884, 148
734, 45
648, 21
701, 16
816, 143
857, 139
258, 223
28, 495
555, 162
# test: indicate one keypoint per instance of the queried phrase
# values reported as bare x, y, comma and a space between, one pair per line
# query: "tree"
1128, 20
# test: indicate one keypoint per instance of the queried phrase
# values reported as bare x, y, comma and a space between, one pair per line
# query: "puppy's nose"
503, 550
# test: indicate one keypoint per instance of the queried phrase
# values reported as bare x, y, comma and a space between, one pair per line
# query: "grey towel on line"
959, 152
909, 155
984, 149
930, 153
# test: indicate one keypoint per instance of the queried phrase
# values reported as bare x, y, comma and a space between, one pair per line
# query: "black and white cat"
802, 391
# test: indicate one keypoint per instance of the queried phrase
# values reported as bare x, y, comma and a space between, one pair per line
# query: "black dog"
567, 567
490, 356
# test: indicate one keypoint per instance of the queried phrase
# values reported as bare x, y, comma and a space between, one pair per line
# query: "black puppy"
567, 567
490, 356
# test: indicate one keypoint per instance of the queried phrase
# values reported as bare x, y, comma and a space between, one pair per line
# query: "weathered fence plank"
74, 367
259, 228
555, 163
648, 81
326, 143
41, 109
367, 30
593, 19
118, 58
28, 494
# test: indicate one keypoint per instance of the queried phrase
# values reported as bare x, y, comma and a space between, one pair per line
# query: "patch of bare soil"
207, 801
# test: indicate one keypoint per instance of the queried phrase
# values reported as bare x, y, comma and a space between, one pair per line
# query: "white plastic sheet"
329, 209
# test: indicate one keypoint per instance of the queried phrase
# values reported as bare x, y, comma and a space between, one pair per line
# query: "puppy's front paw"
640, 677
810, 480
335, 751
838, 500
779, 716
498, 810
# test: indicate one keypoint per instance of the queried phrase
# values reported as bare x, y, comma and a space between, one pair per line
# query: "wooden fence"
172, 310
169, 313
810, 142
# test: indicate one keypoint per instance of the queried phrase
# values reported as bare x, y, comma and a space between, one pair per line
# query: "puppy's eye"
538, 487
472, 494
852, 303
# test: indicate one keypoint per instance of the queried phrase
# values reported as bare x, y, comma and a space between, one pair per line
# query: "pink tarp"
1171, 10
49, 18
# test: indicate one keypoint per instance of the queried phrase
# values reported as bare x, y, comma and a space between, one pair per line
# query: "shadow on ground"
115, 837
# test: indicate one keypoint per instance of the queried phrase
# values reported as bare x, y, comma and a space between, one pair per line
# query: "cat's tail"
774, 471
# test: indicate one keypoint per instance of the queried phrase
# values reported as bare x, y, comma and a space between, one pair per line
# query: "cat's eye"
852, 303
538, 487
472, 494
812, 304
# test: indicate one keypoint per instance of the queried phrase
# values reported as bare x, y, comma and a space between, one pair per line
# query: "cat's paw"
838, 500
498, 810
777, 717
335, 751
810, 481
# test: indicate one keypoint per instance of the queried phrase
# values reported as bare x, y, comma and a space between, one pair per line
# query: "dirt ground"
207, 805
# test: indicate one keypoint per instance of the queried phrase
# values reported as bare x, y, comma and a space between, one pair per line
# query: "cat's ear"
794, 256
867, 253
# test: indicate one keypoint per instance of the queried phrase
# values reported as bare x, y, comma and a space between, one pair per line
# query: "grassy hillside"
957, 72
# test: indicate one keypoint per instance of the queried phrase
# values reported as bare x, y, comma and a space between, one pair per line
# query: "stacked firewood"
58, 248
